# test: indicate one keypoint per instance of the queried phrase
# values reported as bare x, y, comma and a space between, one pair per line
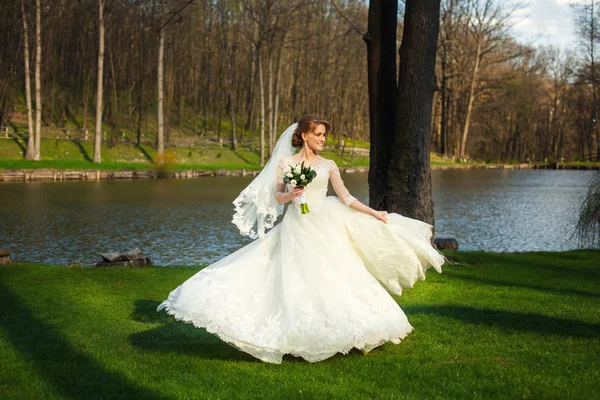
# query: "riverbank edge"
453, 257
57, 175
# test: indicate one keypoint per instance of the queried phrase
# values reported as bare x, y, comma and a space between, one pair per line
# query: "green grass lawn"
502, 326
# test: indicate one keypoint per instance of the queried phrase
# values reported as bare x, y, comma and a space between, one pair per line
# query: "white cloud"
544, 22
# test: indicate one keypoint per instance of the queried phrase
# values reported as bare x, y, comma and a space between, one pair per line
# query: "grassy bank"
503, 326
64, 154
72, 155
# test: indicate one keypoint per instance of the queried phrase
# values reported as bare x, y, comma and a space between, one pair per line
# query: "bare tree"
30, 151
262, 108
99, 89
317, 65
560, 70
487, 24
38, 78
588, 30
160, 144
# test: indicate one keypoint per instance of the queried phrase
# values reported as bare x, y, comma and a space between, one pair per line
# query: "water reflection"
184, 222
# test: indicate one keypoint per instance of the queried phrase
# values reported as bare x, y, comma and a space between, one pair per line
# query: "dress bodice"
316, 191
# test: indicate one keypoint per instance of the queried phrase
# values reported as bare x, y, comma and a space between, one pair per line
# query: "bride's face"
315, 140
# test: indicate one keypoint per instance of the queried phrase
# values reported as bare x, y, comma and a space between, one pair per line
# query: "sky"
545, 22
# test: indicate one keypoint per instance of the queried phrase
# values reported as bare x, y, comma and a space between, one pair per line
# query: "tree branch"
174, 14
364, 36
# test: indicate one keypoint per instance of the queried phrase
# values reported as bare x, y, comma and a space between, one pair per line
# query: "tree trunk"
38, 78
463, 142
232, 94
115, 107
86, 102
160, 145
270, 96
409, 179
381, 64
141, 65
181, 100
30, 152
262, 109
444, 105
250, 98
277, 83
98, 133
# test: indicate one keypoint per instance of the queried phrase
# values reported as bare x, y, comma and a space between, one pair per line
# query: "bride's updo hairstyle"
307, 124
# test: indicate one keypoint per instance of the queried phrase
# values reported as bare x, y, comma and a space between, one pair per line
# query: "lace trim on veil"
256, 207
264, 217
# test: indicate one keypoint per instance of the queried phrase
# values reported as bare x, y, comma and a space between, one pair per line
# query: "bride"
312, 286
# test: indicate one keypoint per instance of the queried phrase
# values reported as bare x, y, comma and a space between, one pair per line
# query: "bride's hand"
380, 215
298, 190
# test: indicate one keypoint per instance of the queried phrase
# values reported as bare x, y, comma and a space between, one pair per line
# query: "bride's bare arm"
349, 200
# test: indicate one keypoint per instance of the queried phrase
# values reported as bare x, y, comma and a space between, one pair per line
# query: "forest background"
235, 73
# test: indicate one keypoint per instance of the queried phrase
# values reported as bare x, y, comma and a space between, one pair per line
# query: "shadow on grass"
185, 338
575, 265
71, 372
17, 139
241, 157
527, 322
71, 117
511, 284
82, 150
144, 152
179, 337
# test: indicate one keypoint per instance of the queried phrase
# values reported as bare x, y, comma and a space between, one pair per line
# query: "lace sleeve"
338, 184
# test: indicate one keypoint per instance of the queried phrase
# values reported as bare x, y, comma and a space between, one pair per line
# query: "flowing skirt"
313, 286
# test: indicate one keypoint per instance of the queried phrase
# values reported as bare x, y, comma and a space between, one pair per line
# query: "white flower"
302, 177
293, 183
289, 175
297, 169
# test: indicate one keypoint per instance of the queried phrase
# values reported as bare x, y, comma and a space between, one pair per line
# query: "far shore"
56, 174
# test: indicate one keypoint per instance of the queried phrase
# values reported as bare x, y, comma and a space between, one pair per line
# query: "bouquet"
300, 175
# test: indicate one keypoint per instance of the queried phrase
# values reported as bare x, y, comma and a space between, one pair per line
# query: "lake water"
187, 222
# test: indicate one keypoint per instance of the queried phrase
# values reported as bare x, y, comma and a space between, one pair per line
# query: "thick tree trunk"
38, 78
30, 151
99, 91
381, 64
160, 144
409, 179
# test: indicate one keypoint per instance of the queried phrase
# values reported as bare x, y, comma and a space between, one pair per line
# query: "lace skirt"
313, 286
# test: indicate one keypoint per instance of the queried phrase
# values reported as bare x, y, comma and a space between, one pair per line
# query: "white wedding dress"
313, 286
